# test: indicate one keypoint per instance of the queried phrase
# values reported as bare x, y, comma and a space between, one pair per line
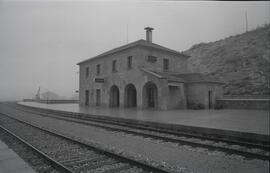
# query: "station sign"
99, 80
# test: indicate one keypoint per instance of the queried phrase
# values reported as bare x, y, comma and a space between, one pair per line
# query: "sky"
41, 41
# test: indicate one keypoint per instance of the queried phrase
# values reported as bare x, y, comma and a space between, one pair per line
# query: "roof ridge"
129, 45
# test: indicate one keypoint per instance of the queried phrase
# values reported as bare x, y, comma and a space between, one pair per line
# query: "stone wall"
259, 104
124, 76
177, 63
197, 94
51, 101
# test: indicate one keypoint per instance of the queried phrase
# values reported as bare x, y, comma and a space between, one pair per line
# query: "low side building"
144, 75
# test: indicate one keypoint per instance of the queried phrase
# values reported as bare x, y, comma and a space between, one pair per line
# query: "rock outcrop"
241, 61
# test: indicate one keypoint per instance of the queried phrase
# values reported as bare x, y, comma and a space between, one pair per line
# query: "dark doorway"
150, 95
98, 97
114, 96
130, 96
210, 100
86, 97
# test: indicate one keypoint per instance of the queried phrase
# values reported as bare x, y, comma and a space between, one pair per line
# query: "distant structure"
143, 75
49, 95
37, 96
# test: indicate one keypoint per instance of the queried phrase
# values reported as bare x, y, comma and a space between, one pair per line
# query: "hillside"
241, 61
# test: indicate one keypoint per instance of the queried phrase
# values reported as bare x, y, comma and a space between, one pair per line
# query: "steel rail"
179, 141
168, 139
140, 164
53, 162
265, 146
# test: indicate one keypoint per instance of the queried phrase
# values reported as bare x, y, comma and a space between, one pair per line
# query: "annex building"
143, 74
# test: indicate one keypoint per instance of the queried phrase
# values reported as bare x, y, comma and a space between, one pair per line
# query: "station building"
143, 74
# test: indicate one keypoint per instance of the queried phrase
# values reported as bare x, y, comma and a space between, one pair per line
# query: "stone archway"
130, 96
150, 95
114, 96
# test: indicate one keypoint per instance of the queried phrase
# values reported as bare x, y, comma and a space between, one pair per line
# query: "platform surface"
251, 121
10, 162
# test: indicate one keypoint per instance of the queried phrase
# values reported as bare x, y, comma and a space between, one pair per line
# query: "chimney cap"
148, 28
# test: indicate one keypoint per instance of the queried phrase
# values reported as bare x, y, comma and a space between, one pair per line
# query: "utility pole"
246, 21
127, 33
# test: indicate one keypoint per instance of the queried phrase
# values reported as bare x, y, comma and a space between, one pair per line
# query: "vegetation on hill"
242, 62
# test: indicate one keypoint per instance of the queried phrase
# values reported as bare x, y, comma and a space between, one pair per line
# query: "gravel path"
184, 157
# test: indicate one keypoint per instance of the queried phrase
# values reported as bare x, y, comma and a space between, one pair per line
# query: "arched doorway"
130, 96
114, 96
150, 95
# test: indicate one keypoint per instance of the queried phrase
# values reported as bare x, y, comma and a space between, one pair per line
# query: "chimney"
149, 34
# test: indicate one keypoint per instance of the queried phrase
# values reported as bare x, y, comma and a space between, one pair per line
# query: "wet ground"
184, 158
253, 121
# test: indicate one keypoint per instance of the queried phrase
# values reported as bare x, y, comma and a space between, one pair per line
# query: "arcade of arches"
149, 96
130, 96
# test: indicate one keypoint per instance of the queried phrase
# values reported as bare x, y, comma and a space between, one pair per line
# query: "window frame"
129, 62
114, 69
87, 72
151, 59
98, 69
166, 64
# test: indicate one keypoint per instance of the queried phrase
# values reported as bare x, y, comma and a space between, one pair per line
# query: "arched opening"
150, 95
114, 96
130, 96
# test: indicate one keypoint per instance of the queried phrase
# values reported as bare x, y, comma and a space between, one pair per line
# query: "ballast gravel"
181, 158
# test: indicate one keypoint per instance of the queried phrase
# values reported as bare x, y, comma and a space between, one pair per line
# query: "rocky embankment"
241, 61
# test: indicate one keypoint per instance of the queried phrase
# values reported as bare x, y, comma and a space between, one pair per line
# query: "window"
129, 62
98, 97
87, 71
151, 59
98, 69
86, 97
165, 64
114, 66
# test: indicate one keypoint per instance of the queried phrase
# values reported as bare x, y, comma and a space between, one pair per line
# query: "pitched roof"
183, 77
163, 75
133, 44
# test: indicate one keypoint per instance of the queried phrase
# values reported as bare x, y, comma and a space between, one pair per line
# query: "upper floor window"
129, 62
114, 66
151, 58
165, 64
87, 72
98, 69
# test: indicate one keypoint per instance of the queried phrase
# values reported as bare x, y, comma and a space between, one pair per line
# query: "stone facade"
205, 93
143, 75
257, 104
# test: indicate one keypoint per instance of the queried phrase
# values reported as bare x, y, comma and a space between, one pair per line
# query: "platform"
10, 162
249, 121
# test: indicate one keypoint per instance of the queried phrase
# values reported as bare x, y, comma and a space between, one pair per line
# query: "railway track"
33, 158
69, 155
245, 149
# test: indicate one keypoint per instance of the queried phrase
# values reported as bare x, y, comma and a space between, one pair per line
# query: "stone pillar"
163, 95
183, 94
121, 97
139, 97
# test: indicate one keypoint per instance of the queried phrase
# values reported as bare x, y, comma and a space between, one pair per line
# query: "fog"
41, 41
